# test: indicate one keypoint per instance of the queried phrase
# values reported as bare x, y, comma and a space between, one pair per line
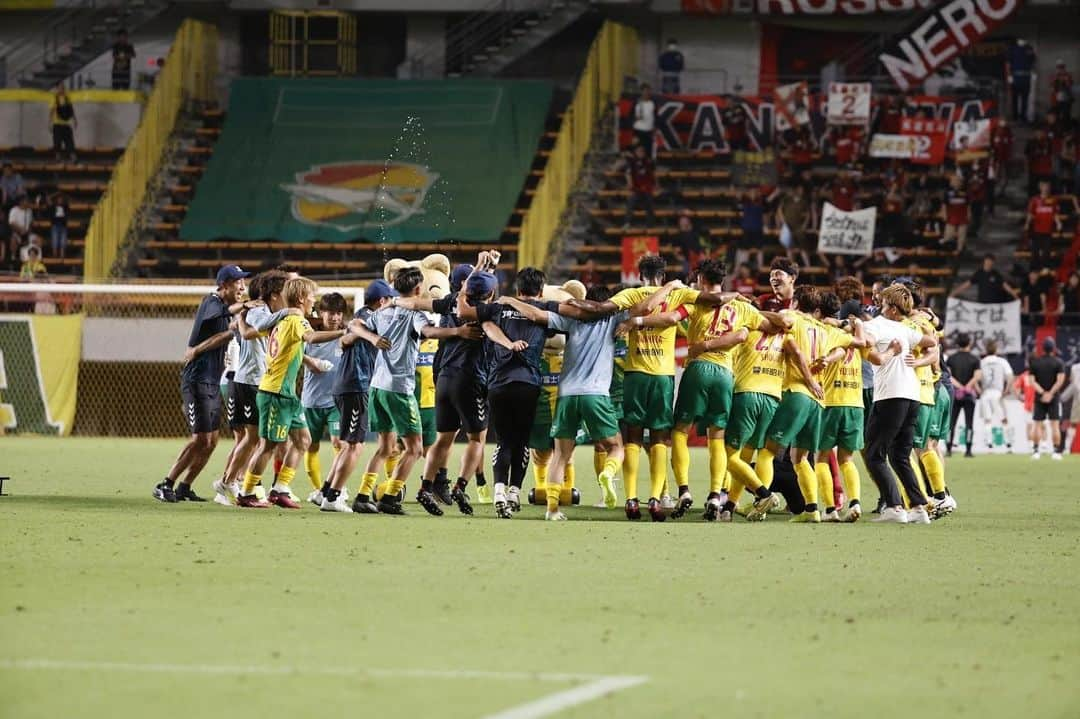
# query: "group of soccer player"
783, 388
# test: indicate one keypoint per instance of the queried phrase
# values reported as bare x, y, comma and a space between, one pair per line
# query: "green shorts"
427, 425
278, 415
797, 422
842, 427
394, 412
939, 424
867, 400
704, 395
321, 420
751, 413
922, 426
593, 413
540, 436
648, 400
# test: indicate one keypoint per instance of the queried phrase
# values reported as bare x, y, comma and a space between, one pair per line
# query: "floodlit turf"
113, 605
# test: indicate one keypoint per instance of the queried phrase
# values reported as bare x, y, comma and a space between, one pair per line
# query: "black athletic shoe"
365, 506
184, 493
683, 506
633, 509
461, 500
427, 501
713, 508
164, 493
656, 511
392, 505
502, 510
441, 490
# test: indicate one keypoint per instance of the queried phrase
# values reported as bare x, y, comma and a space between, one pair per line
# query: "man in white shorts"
997, 378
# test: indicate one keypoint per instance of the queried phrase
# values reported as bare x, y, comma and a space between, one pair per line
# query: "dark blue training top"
505, 366
211, 318
357, 362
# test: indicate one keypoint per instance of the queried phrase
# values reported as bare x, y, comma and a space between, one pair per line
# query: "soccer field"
113, 605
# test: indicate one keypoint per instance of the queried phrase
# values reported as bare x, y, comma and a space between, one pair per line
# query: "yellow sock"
808, 481
553, 492
390, 465
658, 468
250, 482
540, 474
394, 486
742, 474
569, 477
764, 468
599, 461
611, 467
286, 475
314, 471
917, 469
849, 474
736, 490
824, 485
630, 469
718, 464
680, 457
726, 486
935, 471
367, 484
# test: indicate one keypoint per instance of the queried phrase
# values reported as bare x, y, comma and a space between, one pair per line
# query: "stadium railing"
189, 75
612, 57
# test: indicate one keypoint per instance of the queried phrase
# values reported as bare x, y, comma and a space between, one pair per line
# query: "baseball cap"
1048, 344
459, 275
228, 273
481, 284
377, 290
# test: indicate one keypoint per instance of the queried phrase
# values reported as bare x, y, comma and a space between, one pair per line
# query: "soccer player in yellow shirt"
843, 419
281, 415
705, 393
649, 376
797, 422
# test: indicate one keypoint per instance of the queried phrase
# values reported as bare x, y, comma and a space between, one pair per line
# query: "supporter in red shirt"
890, 116
1040, 159
641, 182
847, 145
978, 187
735, 125
1061, 91
843, 192
892, 231
1001, 139
802, 151
782, 276
956, 213
744, 282
1041, 222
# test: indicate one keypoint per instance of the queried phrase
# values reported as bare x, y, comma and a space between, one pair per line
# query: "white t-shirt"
645, 115
20, 219
996, 373
894, 379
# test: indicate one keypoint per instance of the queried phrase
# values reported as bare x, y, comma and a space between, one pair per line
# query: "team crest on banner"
352, 195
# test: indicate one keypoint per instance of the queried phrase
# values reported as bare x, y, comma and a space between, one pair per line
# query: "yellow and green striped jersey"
842, 381
708, 323
284, 356
759, 364
814, 339
926, 372
551, 362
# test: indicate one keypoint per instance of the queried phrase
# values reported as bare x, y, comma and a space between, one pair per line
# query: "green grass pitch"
112, 605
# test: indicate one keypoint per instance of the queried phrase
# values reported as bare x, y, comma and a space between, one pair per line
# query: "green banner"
383, 160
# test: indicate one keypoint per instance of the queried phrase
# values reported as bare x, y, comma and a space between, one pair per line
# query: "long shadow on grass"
65, 501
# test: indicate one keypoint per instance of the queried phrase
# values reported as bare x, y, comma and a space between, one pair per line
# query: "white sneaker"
849, 515
555, 516
223, 494
666, 502
316, 498
1056, 455
944, 507
832, 516
260, 492
892, 515
223, 500
918, 515
1036, 456
340, 505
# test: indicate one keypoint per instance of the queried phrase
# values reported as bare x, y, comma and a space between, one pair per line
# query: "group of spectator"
21, 248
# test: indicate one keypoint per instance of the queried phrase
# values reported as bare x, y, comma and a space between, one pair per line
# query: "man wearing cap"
350, 390
1048, 374
204, 362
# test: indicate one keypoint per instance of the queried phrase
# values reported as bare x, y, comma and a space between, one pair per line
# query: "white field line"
594, 686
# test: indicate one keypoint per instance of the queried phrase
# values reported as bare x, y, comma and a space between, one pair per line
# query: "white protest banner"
981, 321
792, 105
901, 146
847, 233
849, 103
973, 135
